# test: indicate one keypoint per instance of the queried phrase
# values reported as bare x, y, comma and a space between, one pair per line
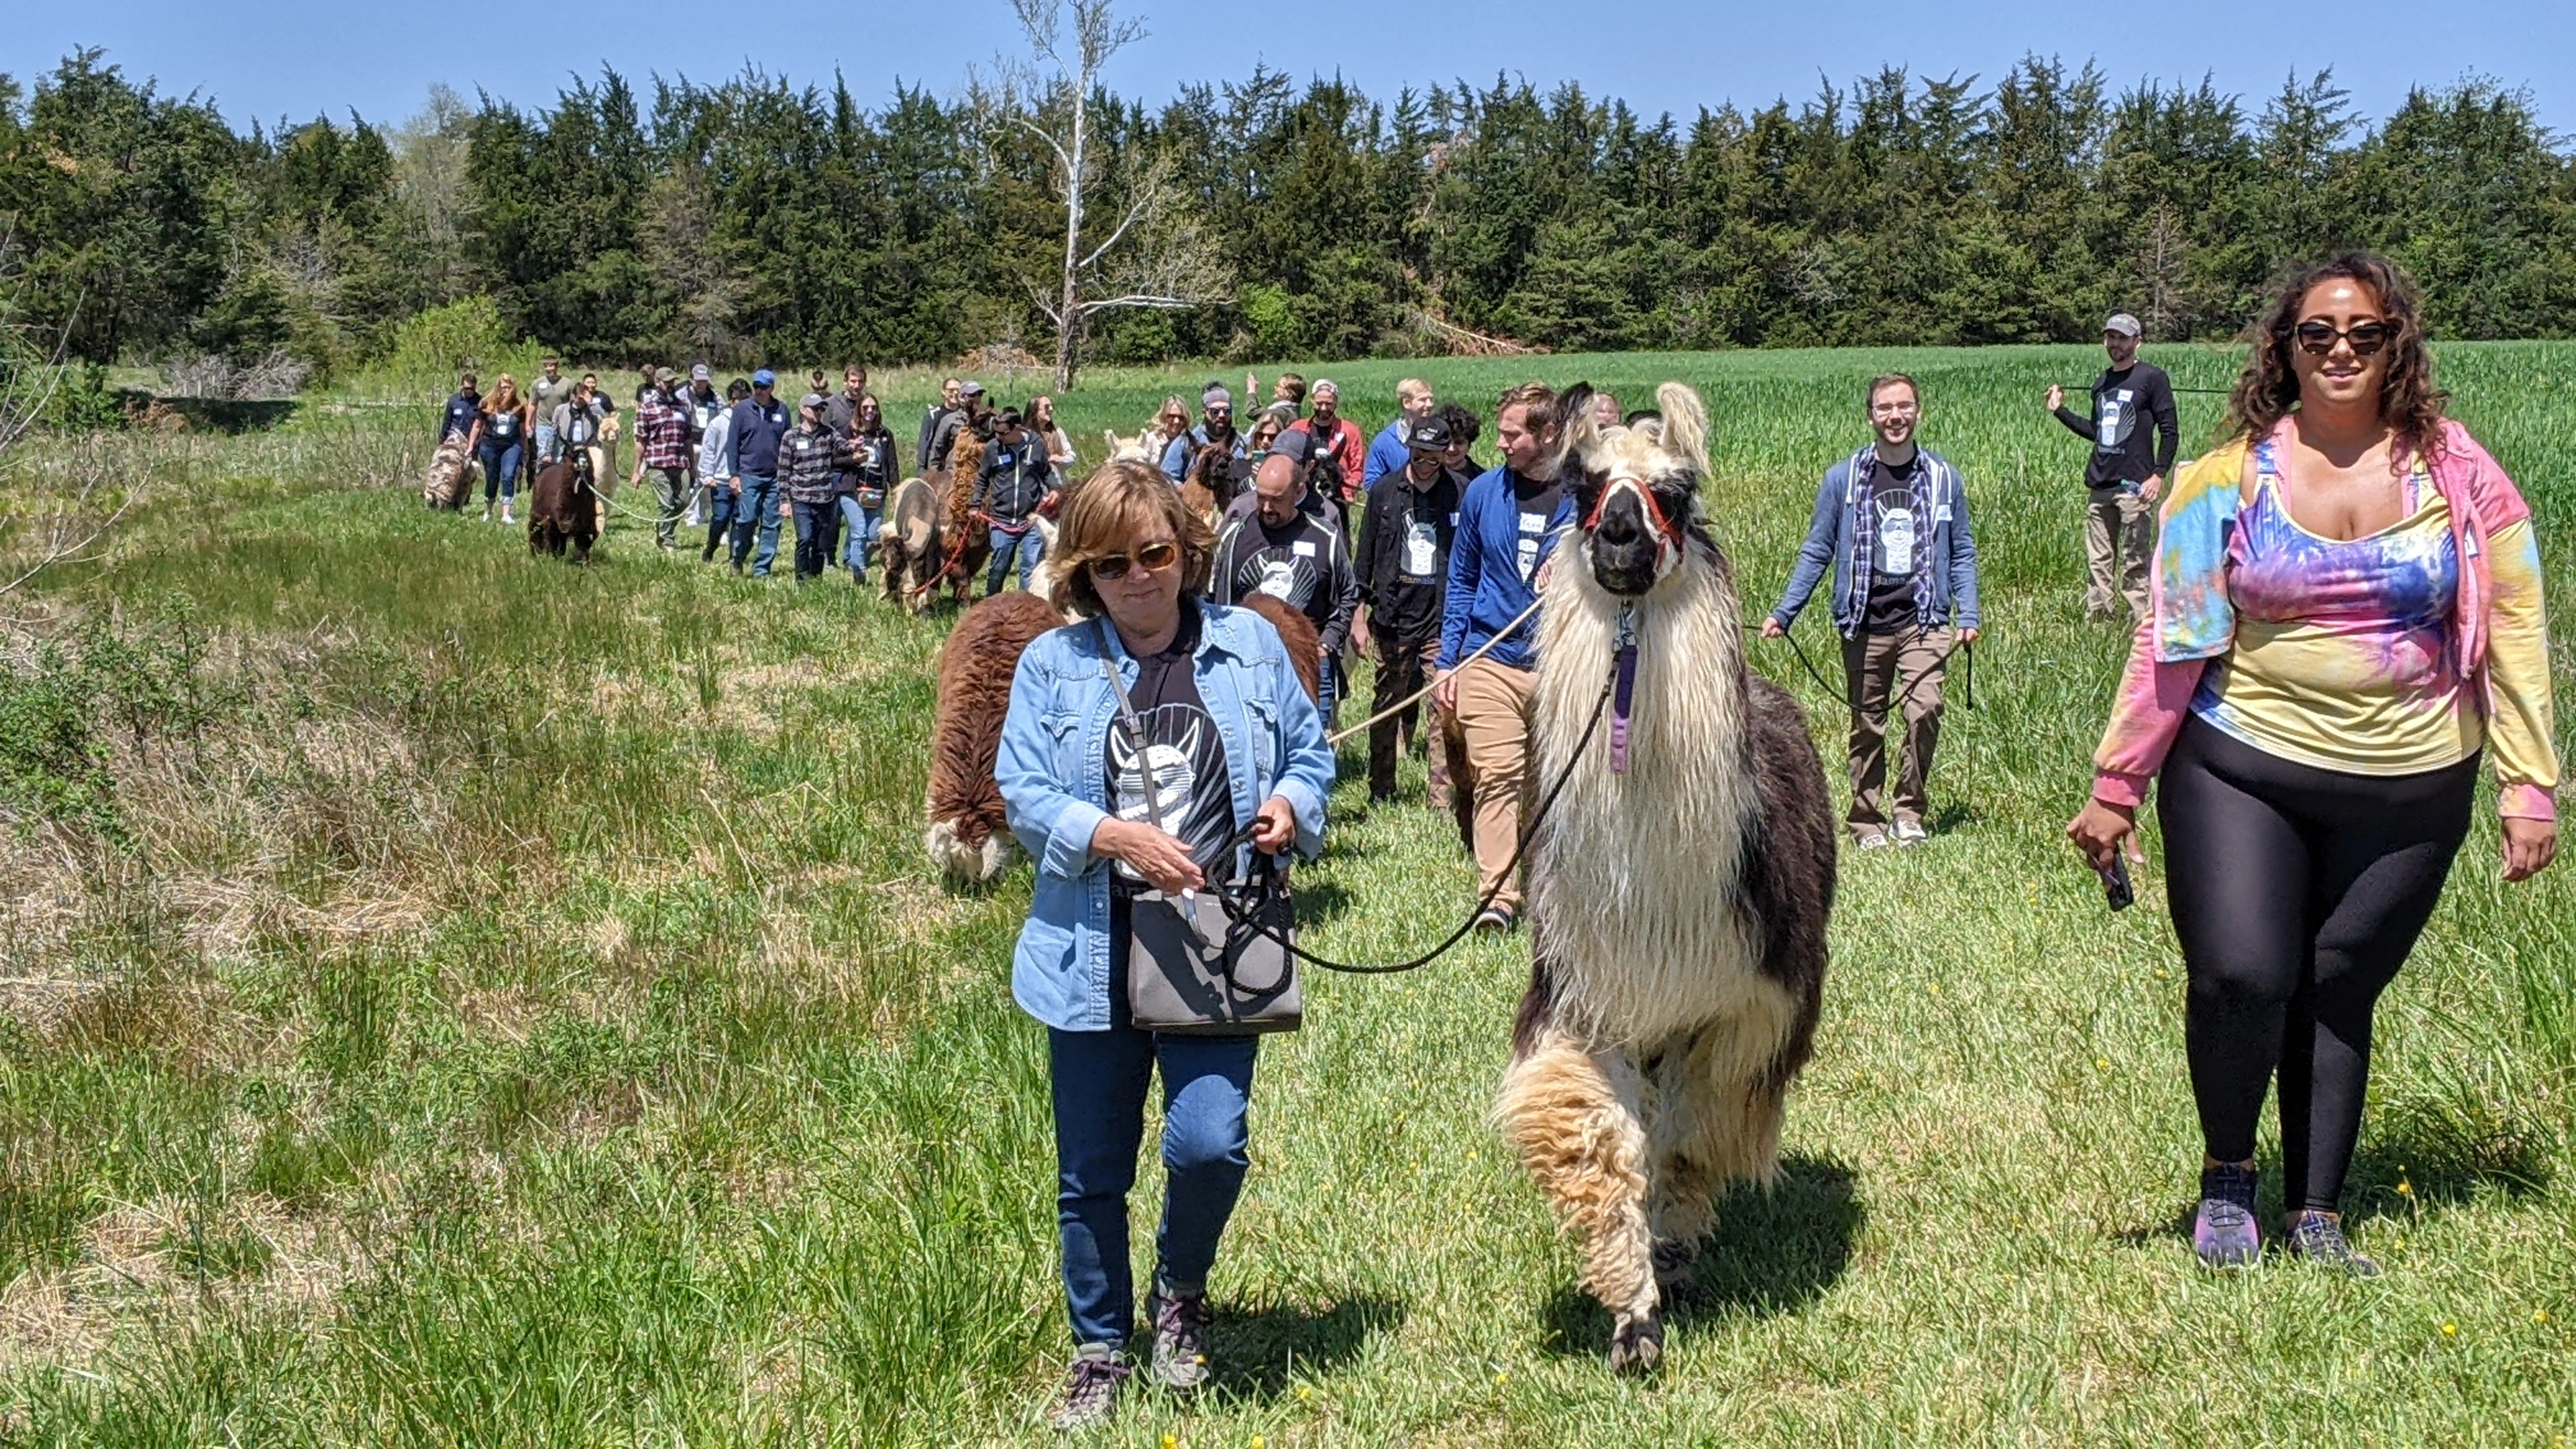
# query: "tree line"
759, 217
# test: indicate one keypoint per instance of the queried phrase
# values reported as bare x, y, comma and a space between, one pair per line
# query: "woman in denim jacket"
1209, 680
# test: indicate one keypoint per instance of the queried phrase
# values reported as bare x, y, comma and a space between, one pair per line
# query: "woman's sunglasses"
1151, 557
2317, 338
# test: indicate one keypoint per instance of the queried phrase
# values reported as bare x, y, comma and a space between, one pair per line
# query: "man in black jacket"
2125, 474
1411, 518
1016, 482
933, 418
1292, 552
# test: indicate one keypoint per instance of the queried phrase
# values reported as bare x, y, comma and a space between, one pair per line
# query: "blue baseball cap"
764, 378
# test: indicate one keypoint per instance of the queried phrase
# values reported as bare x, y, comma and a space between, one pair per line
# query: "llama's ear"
1575, 433
1685, 423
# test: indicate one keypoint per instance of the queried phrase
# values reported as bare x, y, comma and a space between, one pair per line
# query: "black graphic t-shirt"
1537, 502
1895, 555
1187, 754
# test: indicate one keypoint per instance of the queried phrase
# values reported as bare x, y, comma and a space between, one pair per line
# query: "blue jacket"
1485, 587
751, 448
1177, 455
1053, 774
1386, 454
1831, 534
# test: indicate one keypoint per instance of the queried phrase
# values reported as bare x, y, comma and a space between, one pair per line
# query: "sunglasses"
2318, 337
1152, 557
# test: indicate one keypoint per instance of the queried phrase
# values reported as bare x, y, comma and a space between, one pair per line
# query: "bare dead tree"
36, 536
1156, 255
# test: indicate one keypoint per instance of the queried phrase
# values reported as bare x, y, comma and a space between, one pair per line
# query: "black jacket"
1404, 603
1015, 480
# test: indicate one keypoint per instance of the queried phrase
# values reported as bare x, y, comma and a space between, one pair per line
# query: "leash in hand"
1966, 651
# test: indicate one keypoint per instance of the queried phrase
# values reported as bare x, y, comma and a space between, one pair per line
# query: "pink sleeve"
2145, 717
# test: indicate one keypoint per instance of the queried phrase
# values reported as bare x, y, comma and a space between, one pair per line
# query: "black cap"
1296, 445
1428, 435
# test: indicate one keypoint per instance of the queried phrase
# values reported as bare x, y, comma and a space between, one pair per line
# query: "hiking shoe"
1091, 1385
2319, 1239
1180, 1362
2223, 1232
1911, 832
1870, 837
1495, 920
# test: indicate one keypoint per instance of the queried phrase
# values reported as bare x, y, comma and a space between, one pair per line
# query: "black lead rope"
1250, 918
1966, 651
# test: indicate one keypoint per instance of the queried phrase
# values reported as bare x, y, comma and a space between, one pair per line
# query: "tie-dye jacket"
2496, 631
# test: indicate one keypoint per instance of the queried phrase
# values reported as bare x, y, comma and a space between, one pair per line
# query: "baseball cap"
1322, 386
1296, 445
1428, 435
2124, 324
699, 373
972, 389
810, 400
764, 378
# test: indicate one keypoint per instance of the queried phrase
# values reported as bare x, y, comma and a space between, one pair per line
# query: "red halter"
1668, 535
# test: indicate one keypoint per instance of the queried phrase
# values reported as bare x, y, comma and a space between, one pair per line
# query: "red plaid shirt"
664, 428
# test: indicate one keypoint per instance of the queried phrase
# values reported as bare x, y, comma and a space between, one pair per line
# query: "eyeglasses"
1152, 558
2318, 337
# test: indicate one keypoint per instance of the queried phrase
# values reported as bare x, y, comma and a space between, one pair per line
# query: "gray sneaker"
2223, 1231
1091, 1385
1180, 1361
2319, 1239
1496, 921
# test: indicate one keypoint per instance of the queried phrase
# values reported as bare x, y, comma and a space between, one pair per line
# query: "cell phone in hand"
2115, 884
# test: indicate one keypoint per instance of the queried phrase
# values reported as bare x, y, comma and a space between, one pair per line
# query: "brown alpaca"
969, 836
1210, 485
1678, 906
562, 507
970, 543
909, 542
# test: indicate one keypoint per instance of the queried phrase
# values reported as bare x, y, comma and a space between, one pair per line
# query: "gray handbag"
1215, 962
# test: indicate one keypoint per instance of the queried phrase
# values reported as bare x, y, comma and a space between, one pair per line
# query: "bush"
442, 341
66, 704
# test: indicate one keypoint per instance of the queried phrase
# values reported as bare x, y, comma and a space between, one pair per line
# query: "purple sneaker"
2223, 1233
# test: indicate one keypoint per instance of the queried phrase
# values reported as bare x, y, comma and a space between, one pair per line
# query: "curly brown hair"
2268, 390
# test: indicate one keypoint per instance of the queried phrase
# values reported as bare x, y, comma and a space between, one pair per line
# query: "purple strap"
1619, 707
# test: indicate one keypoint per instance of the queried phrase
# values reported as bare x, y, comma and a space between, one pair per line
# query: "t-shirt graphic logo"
1278, 579
1895, 540
1421, 547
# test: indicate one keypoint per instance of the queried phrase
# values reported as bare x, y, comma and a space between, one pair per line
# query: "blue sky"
262, 59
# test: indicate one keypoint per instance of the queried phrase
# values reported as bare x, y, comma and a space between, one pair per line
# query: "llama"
1679, 890
909, 542
969, 836
449, 478
562, 507
1125, 450
970, 544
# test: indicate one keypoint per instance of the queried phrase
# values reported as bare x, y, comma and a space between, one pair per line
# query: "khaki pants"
1906, 667
2119, 533
1494, 715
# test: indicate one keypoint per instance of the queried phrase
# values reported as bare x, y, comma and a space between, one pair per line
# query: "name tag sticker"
1303, 548
1532, 523
1941, 514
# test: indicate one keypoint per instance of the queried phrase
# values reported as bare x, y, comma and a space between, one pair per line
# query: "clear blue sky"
265, 59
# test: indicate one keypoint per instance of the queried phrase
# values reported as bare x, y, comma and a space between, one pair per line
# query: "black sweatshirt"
1405, 536
2121, 401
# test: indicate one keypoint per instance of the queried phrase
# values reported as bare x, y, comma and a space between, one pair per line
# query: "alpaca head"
1124, 450
1636, 489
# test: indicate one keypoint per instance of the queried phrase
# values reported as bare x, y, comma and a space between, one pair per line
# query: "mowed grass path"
527, 1015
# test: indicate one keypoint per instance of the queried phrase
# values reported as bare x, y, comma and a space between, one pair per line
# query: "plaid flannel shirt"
664, 428
1865, 524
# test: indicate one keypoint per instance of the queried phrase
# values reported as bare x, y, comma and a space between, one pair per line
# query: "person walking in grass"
970, 415
1891, 522
1508, 523
1039, 418
2133, 434
722, 485
1388, 452
549, 392
1215, 430
1406, 531
1288, 548
2347, 613
462, 410
662, 451
811, 460
502, 429
1016, 481
1287, 396
1341, 454
1229, 744
863, 492
704, 404
760, 424
927, 458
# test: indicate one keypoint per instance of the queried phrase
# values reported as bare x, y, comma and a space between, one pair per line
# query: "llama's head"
1122, 450
1636, 489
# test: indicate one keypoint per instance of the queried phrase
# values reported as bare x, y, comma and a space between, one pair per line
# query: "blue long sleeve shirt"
751, 448
1486, 588
1386, 454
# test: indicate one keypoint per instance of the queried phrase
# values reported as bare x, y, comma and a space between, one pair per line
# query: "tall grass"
520, 1010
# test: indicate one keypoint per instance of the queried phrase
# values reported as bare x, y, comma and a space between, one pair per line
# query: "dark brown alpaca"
969, 542
1210, 485
563, 507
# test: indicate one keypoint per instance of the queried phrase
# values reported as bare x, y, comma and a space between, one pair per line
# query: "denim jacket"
1053, 774
1832, 533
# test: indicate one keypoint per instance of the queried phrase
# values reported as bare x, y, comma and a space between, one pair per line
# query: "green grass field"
455, 998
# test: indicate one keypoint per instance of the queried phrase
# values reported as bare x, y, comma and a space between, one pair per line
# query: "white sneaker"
487, 515
1911, 832
505, 516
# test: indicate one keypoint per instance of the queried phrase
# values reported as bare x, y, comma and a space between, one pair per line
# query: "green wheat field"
455, 998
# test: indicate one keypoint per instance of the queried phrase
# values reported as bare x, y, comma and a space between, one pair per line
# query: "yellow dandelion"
1501, 1379
1260, 1443
2450, 1330
1304, 1393
1936, 988
2540, 1315
2405, 1188
2100, 1064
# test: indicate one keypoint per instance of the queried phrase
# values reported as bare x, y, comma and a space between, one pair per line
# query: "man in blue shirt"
461, 410
1215, 430
1508, 522
1388, 452
760, 424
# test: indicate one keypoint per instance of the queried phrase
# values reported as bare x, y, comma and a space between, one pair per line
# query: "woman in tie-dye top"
2346, 613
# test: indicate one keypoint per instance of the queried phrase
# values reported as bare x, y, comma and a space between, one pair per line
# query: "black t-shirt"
1188, 756
1292, 562
2132, 426
1405, 552
1538, 502
1896, 553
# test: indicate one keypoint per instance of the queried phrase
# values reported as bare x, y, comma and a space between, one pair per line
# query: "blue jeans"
500, 470
862, 522
756, 510
1024, 545
1099, 1081
720, 510
545, 441
815, 525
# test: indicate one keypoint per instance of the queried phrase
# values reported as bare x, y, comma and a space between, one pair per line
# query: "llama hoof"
1675, 1265
1636, 1344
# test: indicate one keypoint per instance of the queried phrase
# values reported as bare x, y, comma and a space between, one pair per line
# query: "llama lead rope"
1626, 689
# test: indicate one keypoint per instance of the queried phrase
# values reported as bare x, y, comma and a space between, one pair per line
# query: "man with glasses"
1215, 430
2125, 474
1293, 553
1892, 520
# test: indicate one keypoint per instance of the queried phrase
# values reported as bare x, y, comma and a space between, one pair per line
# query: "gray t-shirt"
552, 395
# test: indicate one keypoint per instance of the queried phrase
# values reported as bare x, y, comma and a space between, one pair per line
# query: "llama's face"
1635, 490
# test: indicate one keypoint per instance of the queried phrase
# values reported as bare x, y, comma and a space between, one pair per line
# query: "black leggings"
2297, 893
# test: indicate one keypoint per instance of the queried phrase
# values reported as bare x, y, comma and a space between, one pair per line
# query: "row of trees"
760, 217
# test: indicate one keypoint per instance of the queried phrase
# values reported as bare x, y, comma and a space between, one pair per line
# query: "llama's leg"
1720, 1124
1572, 1116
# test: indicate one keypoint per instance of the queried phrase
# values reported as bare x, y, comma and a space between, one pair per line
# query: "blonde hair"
1108, 511
502, 386
1171, 405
